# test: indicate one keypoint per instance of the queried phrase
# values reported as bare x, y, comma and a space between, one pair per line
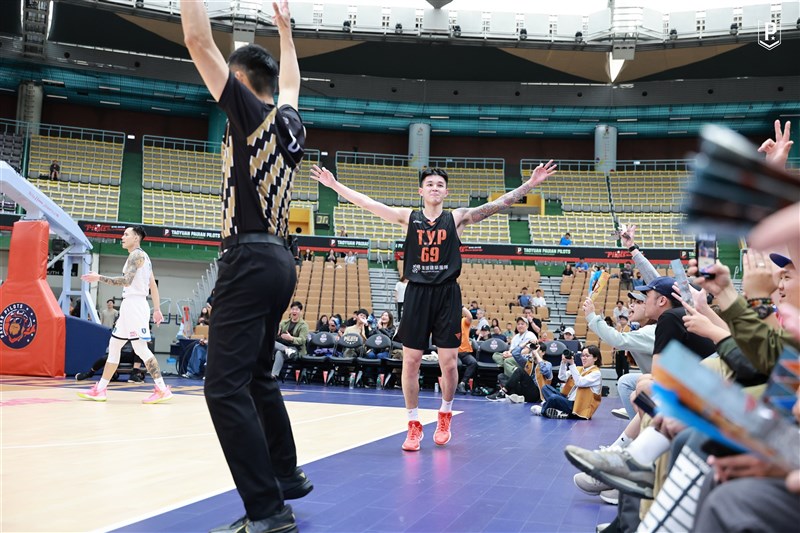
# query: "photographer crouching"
581, 392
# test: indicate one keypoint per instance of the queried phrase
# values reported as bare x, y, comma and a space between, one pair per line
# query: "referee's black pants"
254, 286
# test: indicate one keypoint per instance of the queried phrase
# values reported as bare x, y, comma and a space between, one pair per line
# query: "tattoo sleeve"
476, 214
135, 261
152, 367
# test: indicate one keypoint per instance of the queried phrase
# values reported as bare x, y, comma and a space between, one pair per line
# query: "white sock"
648, 446
622, 441
102, 384
413, 414
160, 384
447, 407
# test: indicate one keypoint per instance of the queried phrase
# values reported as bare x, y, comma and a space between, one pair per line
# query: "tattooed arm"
473, 215
135, 261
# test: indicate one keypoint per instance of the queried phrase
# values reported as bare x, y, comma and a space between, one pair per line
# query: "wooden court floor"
72, 465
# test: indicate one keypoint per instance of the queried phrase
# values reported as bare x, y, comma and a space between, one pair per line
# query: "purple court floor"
503, 471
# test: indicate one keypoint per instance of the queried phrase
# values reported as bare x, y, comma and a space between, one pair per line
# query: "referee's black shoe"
295, 486
282, 522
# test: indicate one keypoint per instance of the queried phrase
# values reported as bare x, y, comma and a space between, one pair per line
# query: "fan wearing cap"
662, 308
639, 343
761, 341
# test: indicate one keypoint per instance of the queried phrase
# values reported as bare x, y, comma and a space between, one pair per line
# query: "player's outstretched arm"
198, 39
473, 215
289, 76
395, 215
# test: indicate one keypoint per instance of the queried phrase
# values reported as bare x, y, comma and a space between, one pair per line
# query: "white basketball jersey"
141, 281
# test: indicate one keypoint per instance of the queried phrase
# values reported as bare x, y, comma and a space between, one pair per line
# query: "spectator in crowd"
400, 295
534, 324
292, 337
532, 372
509, 332
333, 325
331, 257
523, 299
350, 259
466, 353
581, 393
626, 277
494, 323
308, 255
127, 357
205, 316
568, 270
497, 333
75, 308
386, 324
473, 309
518, 341
621, 362
538, 300
360, 324
582, 265
480, 316
620, 310
55, 170
322, 323
195, 368
566, 240
638, 281
342, 232
569, 334
109, 315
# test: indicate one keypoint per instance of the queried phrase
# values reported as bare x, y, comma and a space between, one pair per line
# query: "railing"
359, 158
174, 143
85, 134
665, 165
487, 163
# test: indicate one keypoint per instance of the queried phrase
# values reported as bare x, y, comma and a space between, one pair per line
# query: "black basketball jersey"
432, 254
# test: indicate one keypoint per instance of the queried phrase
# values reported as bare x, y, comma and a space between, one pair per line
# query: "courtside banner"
561, 253
114, 230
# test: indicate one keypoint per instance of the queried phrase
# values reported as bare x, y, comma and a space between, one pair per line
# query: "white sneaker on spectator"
610, 496
620, 413
516, 398
536, 409
588, 484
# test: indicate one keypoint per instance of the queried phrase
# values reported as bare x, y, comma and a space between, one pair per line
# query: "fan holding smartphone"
706, 253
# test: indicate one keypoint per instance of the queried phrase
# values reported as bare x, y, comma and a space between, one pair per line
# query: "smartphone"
706, 253
645, 403
712, 447
681, 281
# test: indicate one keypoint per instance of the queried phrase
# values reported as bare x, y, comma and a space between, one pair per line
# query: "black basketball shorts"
431, 315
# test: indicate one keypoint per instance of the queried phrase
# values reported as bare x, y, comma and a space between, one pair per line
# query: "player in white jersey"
133, 323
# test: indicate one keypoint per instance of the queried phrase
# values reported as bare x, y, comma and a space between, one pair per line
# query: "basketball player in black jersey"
432, 307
